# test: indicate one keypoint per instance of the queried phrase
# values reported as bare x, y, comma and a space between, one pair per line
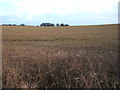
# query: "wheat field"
60, 57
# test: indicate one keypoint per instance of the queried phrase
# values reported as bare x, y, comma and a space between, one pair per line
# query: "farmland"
68, 56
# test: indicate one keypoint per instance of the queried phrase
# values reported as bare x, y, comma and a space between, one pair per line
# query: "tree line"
43, 24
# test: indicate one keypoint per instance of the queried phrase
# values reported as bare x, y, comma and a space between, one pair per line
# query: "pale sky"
72, 12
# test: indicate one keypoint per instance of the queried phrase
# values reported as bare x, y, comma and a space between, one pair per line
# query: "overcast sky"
73, 12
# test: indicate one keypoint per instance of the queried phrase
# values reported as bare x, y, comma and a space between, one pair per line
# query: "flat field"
68, 56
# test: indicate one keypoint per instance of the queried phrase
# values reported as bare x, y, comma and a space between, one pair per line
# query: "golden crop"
73, 56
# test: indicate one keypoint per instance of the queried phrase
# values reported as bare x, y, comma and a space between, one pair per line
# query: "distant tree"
66, 25
52, 24
57, 24
47, 24
62, 24
22, 24
41, 25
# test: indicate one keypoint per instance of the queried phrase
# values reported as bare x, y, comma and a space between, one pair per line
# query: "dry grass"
69, 57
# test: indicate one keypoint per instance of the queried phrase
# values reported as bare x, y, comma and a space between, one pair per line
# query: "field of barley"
60, 57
